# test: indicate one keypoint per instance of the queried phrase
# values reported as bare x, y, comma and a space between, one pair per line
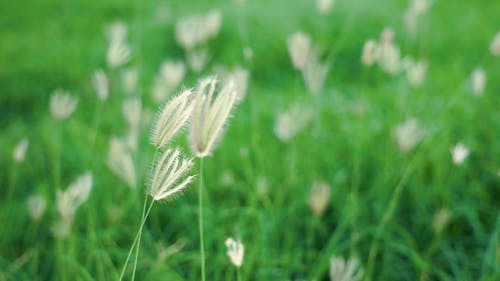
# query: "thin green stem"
140, 235
389, 212
200, 221
238, 270
135, 240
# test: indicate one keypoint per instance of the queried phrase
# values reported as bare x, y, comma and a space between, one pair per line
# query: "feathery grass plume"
299, 45
369, 54
118, 54
314, 72
172, 118
478, 81
19, 152
262, 186
441, 219
235, 251
240, 77
36, 207
291, 122
197, 59
324, 6
169, 78
389, 55
167, 173
132, 112
210, 113
195, 30
120, 161
165, 253
408, 134
495, 45
100, 84
340, 270
62, 104
319, 198
459, 153
68, 202
129, 78
416, 9
116, 31
415, 71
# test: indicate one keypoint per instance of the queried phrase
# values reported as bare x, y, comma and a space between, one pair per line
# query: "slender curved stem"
200, 221
135, 240
139, 239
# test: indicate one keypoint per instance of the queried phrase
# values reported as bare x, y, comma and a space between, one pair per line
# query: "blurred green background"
383, 202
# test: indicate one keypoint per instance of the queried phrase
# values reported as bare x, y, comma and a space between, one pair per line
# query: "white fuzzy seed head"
478, 81
129, 78
459, 153
324, 6
172, 118
319, 198
210, 114
441, 219
314, 72
415, 71
19, 152
36, 207
495, 45
299, 45
118, 54
194, 30
62, 104
408, 134
167, 174
100, 84
132, 109
120, 161
369, 54
235, 251
340, 270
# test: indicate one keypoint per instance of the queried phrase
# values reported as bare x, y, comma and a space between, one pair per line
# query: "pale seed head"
120, 161
235, 251
299, 45
62, 104
408, 134
340, 270
210, 114
172, 118
100, 84
167, 177
36, 207
478, 81
319, 198
459, 153
20, 150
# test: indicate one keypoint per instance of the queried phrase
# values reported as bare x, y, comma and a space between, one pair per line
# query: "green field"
402, 211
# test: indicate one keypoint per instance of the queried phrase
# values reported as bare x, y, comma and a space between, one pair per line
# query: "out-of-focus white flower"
129, 78
194, 30
389, 57
68, 202
36, 207
170, 76
100, 84
324, 6
132, 109
478, 81
120, 161
495, 45
197, 59
441, 219
408, 134
319, 198
314, 72
118, 54
262, 186
240, 77
459, 153
291, 122
340, 270
116, 31
370, 52
20, 150
415, 71
173, 73
416, 9
62, 104
299, 45
235, 251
